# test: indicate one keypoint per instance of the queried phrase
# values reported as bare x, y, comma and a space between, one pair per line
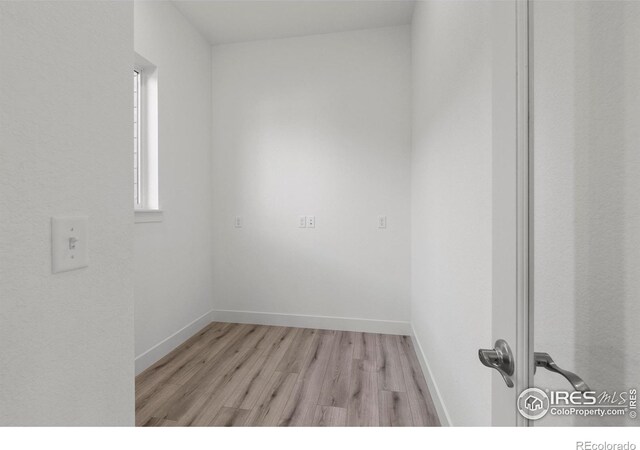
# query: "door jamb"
524, 201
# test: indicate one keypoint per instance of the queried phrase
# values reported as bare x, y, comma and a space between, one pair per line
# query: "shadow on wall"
600, 205
313, 126
587, 208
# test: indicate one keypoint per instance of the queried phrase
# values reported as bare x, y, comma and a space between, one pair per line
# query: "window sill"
148, 215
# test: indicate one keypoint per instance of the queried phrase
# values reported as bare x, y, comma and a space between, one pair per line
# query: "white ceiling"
246, 20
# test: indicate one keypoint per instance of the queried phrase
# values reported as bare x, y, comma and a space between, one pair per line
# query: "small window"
137, 166
145, 141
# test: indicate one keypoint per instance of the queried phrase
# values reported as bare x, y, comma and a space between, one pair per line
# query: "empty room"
320, 214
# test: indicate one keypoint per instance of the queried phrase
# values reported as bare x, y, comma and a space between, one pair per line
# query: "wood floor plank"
273, 400
208, 349
300, 409
251, 383
169, 368
147, 406
214, 394
195, 393
230, 417
272, 336
179, 352
420, 401
294, 357
209, 352
256, 336
247, 395
256, 375
335, 388
390, 377
235, 339
238, 380
279, 345
155, 422
329, 416
395, 410
365, 350
363, 410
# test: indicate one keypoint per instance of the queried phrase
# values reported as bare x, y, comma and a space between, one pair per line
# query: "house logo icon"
533, 403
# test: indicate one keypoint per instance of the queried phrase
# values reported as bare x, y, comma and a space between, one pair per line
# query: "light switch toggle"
69, 243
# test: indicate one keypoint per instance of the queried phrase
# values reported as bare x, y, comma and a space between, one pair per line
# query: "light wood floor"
253, 375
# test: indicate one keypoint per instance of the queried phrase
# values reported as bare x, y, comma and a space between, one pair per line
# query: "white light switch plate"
311, 221
69, 243
382, 221
302, 222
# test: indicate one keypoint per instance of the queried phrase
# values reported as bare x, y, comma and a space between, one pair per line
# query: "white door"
510, 214
566, 237
585, 110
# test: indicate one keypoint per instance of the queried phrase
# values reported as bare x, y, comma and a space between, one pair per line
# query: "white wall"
587, 195
451, 201
65, 119
173, 262
316, 125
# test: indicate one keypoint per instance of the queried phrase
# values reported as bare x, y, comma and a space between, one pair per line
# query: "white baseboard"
321, 322
155, 353
443, 414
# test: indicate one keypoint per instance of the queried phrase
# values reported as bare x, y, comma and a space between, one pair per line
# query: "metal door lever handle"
499, 358
545, 360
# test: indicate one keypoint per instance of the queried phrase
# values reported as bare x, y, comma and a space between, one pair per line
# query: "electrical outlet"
311, 221
382, 221
302, 222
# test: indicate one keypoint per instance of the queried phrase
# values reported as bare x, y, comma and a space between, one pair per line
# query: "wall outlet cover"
69, 246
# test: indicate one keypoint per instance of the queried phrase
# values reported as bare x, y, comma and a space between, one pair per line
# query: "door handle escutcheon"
499, 358
545, 360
